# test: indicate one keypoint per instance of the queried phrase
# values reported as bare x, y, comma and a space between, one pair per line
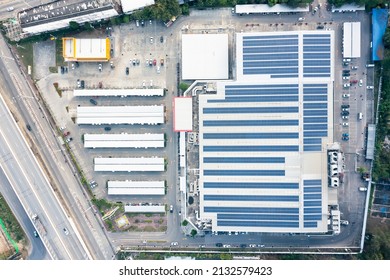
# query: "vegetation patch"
58, 90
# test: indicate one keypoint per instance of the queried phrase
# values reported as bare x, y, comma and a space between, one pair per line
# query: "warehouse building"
136, 188
129, 164
119, 92
351, 39
263, 138
120, 115
87, 50
205, 56
266, 9
182, 114
131, 208
57, 15
129, 6
124, 140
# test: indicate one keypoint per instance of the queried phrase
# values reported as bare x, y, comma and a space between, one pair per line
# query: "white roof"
131, 5
136, 187
205, 56
120, 114
129, 164
86, 49
351, 39
348, 8
145, 209
183, 114
119, 92
124, 140
264, 8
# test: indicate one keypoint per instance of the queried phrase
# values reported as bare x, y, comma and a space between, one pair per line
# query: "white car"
252, 245
66, 231
345, 117
343, 222
100, 66
346, 78
158, 69
226, 246
346, 95
370, 87
347, 85
137, 23
10, 9
151, 40
346, 60
174, 243
345, 124
360, 83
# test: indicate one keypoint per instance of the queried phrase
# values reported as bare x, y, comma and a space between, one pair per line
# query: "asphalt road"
36, 249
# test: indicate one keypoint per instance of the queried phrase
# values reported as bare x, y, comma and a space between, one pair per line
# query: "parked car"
370, 87
137, 23
151, 40
252, 246
67, 140
93, 184
347, 85
345, 117
154, 62
78, 83
107, 128
66, 133
171, 209
28, 127
10, 9
346, 60
363, 189
66, 231
218, 244
161, 39
346, 95
354, 81
93, 101
345, 77
360, 83
345, 124
158, 69
100, 67
345, 138
174, 243
127, 70
82, 84
36, 234
162, 61
354, 67
345, 106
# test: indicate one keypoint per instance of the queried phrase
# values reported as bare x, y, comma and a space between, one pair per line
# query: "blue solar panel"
313, 90
265, 135
312, 196
316, 48
315, 98
315, 85
287, 98
311, 141
219, 172
261, 86
314, 210
270, 56
315, 127
315, 120
248, 38
323, 133
316, 41
323, 35
312, 203
325, 70
258, 224
284, 76
288, 49
316, 75
244, 160
247, 110
251, 123
249, 185
270, 63
279, 198
292, 148
222, 209
310, 224
268, 91
308, 113
312, 190
315, 105
312, 217
312, 148
258, 217
316, 62
258, 43
312, 182
316, 55
258, 71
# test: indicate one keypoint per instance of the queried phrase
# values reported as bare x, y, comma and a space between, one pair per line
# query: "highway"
36, 249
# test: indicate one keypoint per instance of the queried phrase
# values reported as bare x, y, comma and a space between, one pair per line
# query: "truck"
38, 224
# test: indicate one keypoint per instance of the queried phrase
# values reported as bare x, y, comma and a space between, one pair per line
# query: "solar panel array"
312, 203
274, 55
316, 55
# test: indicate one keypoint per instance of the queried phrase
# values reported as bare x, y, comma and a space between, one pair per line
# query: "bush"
183, 86
184, 223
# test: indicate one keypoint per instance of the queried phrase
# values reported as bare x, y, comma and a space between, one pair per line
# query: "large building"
351, 39
263, 138
58, 14
129, 6
91, 50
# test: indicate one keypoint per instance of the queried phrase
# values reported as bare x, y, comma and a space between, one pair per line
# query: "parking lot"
131, 43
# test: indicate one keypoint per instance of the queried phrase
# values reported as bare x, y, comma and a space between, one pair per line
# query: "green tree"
88, 26
185, 9
74, 25
386, 38
193, 232
184, 223
126, 19
183, 86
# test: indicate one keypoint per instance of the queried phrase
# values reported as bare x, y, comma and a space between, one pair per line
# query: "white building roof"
119, 92
129, 164
263, 138
124, 140
205, 56
91, 49
145, 208
264, 8
348, 8
131, 5
182, 114
120, 115
136, 187
351, 39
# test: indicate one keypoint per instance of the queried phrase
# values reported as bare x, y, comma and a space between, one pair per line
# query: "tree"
183, 86
193, 232
126, 19
74, 25
184, 223
386, 38
88, 26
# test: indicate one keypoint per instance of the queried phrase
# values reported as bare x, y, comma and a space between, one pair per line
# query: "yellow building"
92, 50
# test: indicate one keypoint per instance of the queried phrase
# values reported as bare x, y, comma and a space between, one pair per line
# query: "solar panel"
258, 43
261, 86
222, 209
315, 120
288, 49
316, 41
265, 135
284, 70
240, 92
219, 172
310, 224
258, 217
317, 62
321, 55
312, 141
315, 105
307, 113
325, 70
315, 98
247, 38
268, 63
284, 76
251, 123
312, 182
316, 75
316, 48
315, 127
258, 224
312, 148
314, 210
312, 196
312, 189
322, 133
287, 98
315, 85
244, 160
250, 185
292, 148
279, 198
311, 203
247, 110
287, 56
312, 217
324, 35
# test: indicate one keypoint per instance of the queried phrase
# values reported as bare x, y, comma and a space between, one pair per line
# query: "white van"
360, 116
363, 189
